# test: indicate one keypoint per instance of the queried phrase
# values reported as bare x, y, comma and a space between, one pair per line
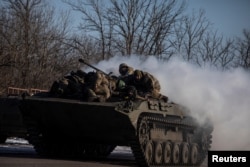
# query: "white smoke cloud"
222, 95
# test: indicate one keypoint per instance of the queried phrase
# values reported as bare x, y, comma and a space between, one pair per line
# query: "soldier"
125, 70
70, 86
97, 87
102, 85
79, 76
59, 88
145, 84
122, 91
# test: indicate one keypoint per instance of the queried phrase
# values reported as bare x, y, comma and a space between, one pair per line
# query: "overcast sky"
229, 17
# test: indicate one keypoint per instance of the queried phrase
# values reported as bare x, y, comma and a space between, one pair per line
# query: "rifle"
97, 69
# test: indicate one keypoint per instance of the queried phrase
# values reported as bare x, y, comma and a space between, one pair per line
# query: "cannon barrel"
97, 69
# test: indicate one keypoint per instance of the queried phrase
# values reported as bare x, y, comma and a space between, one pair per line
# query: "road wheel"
185, 153
143, 132
167, 151
149, 152
158, 153
194, 154
176, 153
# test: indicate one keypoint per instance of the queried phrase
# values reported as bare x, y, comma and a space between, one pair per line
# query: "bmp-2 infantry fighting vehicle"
159, 133
11, 122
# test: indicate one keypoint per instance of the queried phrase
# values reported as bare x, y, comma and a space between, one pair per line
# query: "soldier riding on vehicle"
96, 87
125, 70
146, 85
99, 86
70, 86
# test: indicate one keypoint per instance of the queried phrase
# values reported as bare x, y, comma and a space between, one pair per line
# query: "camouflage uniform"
145, 84
69, 86
97, 87
59, 88
102, 85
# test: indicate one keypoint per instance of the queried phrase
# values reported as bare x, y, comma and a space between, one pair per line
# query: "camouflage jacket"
147, 84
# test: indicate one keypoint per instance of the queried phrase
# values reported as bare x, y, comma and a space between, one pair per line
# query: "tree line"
38, 45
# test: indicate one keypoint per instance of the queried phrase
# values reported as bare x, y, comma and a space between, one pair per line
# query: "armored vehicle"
11, 122
159, 133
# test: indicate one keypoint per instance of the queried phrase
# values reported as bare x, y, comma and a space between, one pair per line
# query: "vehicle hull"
89, 122
11, 121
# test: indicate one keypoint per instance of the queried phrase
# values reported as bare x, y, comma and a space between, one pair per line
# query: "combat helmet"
123, 68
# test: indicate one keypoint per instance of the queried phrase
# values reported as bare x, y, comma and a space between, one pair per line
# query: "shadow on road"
12, 155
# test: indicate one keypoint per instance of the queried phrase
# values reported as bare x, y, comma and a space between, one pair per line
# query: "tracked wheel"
185, 153
143, 132
149, 152
167, 151
152, 147
194, 154
176, 153
158, 155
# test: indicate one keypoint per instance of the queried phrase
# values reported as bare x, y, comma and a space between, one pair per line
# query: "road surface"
23, 155
16, 155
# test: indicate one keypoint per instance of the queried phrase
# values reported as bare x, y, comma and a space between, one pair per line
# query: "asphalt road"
23, 155
16, 155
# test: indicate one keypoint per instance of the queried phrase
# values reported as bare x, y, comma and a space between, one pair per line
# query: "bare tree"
33, 43
214, 50
36, 48
93, 12
86, 47
142, 27
4, 59
194, 30
243, 49
130, 26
